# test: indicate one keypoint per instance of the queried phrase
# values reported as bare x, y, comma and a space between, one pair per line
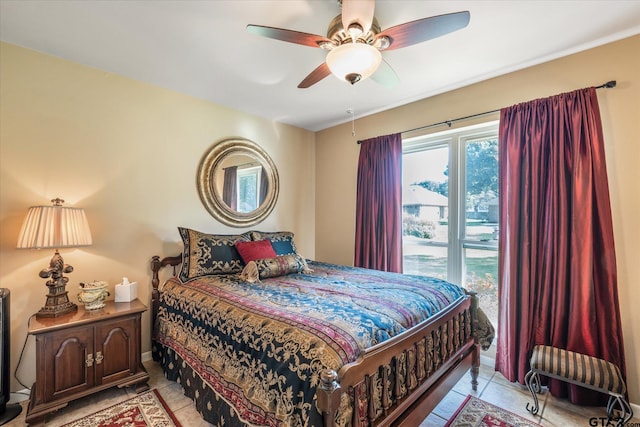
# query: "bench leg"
610, 405
532, 380
626, 413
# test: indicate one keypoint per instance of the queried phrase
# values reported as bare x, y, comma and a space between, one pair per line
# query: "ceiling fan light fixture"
355, 41
351, 59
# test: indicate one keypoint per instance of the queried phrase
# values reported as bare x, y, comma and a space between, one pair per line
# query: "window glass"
248, 185
481, 189
425, 210
450, 209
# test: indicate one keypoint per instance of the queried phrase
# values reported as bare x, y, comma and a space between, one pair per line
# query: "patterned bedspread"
261, 346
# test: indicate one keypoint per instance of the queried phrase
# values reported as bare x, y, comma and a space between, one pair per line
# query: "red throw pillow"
259, 249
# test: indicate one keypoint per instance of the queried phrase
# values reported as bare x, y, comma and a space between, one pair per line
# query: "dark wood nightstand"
78, 354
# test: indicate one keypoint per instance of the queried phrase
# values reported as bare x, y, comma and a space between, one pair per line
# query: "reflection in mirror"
242, 182
238, 182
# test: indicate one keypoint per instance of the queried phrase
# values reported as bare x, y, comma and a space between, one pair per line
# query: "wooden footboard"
399, 381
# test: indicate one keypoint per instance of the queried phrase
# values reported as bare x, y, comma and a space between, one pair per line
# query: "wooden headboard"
158, 264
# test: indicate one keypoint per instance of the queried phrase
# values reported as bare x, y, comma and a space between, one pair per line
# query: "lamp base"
57, 302
57, 305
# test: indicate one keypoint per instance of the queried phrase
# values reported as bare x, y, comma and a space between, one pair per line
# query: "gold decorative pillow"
209, 254
274, 267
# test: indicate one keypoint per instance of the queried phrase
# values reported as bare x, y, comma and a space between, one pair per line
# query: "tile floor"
492, 387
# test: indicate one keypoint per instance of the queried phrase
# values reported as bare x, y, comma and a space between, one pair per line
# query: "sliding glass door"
450, 209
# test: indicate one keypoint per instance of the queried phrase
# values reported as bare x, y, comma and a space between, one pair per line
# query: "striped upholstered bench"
575, 368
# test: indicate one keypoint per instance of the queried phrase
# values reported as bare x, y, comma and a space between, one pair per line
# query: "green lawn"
425, 265
437, 266
481, 276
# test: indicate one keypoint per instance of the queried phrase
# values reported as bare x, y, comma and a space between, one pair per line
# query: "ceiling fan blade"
421, 30
315, 76
359, 11
290, 36
385, 75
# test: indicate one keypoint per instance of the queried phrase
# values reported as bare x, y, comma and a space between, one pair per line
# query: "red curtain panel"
229, 190
379, 204
557, 264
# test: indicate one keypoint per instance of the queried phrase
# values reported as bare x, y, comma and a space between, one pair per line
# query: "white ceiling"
201, 48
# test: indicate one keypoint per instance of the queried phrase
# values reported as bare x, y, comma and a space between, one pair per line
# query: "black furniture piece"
8, 411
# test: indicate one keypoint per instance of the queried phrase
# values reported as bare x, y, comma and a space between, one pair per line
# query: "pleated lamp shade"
54, 227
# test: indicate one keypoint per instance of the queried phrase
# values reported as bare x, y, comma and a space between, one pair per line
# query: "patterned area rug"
145, 410
478, 413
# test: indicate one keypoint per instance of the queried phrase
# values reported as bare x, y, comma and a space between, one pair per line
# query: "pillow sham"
274, 267
257, 249
209, 254
282, 241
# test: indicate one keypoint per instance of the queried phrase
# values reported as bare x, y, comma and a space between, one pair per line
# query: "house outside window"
450, 209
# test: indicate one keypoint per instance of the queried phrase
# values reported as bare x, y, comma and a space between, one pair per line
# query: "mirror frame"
209, 194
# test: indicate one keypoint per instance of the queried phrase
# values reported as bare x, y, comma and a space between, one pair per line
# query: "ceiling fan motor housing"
338, 34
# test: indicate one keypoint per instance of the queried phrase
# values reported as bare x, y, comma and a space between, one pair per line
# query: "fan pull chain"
353, 121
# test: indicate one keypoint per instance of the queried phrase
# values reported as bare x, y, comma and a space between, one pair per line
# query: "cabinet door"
65, 362
117, 350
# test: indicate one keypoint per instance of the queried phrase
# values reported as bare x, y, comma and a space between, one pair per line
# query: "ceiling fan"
355, 41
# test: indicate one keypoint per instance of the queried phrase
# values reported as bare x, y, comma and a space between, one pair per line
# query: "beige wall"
127, 153
337, 157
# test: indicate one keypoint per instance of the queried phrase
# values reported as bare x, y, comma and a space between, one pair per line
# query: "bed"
285, 341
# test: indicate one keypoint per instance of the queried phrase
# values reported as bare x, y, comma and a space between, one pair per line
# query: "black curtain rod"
607, 85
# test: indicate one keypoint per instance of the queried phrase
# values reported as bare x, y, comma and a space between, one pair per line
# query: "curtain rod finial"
607, 85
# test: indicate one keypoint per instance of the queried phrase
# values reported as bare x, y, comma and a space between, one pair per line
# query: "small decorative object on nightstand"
126, 291
92, 294
84, 352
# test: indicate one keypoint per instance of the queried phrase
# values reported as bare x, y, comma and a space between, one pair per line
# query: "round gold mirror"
238, 182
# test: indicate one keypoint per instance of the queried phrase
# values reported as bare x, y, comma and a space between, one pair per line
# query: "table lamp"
55, 227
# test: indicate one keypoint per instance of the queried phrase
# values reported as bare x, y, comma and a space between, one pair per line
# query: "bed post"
475, 363
155, 293
328, 395
156, 265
